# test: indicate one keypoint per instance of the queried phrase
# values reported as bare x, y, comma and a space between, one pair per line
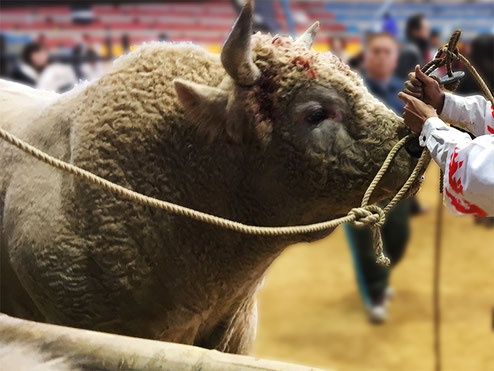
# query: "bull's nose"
413, 147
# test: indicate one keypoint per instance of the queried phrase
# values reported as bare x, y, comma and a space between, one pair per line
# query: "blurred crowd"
420, 45
59, 68
55, 69
48, 64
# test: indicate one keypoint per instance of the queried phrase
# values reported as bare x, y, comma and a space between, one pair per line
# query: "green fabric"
395, 234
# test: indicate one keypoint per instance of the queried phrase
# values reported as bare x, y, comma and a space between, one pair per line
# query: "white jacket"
468, 164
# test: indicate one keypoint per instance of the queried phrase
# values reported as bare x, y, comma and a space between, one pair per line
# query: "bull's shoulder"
35, 116
14, 89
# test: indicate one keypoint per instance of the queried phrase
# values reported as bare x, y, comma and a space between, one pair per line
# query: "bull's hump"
18, 100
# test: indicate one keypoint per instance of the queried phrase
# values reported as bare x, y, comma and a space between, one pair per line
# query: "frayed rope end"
383, 260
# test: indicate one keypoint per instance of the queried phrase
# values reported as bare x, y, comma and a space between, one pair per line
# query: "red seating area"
194, 21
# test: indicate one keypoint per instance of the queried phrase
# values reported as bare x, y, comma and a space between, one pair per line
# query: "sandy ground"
311, 312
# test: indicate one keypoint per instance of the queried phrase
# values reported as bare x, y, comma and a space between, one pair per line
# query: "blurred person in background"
416, 47
379, 65
35, 70
416, 50
34, 59
125, 43
482, 57
85, 61
108, 46
57, 77
92, 66
264, 15
434, 43
337, 47
390, 25
380, 53
355, 62
3, 56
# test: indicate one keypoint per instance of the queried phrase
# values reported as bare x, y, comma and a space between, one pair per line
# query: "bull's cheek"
330, 138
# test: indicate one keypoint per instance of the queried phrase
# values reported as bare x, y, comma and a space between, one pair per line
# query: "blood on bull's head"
321, 134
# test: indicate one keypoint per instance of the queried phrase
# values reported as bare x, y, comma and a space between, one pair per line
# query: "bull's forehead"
283, 59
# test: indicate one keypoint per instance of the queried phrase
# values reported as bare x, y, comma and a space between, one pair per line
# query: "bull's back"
20, 104
20, 110
29, 190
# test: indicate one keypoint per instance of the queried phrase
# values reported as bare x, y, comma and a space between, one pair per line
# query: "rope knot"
371, 215
374, 217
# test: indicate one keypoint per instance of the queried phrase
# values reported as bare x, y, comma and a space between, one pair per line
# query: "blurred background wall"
90, 31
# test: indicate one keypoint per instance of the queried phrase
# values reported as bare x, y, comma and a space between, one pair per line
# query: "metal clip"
446, 80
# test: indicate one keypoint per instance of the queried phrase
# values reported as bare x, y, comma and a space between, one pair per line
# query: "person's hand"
424, 88
416, 112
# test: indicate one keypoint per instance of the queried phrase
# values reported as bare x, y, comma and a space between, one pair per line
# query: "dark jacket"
24, 74
387, 93
410, 56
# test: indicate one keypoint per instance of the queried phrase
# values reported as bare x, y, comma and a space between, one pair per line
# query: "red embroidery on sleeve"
453, 166
468, 208
460, 204
490, 129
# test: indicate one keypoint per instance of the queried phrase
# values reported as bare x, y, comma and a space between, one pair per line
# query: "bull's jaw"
403, 163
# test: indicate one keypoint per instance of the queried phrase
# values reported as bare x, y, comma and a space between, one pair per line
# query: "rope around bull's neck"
371, 215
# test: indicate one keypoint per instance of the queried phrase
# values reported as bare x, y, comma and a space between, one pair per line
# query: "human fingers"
406, 97
413, 79
413, 90
422, 77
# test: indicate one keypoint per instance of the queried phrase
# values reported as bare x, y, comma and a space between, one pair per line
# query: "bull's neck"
220, 178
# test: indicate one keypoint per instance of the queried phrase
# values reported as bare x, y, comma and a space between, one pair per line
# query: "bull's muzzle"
413, 147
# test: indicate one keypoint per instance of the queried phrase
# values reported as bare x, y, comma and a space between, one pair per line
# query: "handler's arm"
474, 114
468, 167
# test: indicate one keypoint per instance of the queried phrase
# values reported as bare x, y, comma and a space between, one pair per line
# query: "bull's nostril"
413, 147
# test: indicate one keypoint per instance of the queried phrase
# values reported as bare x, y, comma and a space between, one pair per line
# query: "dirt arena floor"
311, 312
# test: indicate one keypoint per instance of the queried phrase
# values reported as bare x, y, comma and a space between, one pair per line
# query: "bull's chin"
397, 176
417, 183
415, 187
389, 194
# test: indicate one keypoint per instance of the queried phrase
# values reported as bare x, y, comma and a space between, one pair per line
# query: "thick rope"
449, 53
371, 215
436, 285
376, 228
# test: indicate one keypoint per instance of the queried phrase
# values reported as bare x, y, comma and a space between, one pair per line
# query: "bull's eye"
317, 116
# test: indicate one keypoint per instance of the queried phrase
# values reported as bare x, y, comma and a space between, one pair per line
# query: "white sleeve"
468, 167
474, 114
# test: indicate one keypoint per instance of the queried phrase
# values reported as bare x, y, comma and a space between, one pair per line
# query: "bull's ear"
204, 105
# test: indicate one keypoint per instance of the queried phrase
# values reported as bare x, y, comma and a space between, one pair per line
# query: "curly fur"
78, 256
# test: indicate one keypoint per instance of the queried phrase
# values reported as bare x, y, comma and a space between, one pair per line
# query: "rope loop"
371, 215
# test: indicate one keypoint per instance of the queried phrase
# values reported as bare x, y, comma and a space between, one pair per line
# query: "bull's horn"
236, 53
307, 38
